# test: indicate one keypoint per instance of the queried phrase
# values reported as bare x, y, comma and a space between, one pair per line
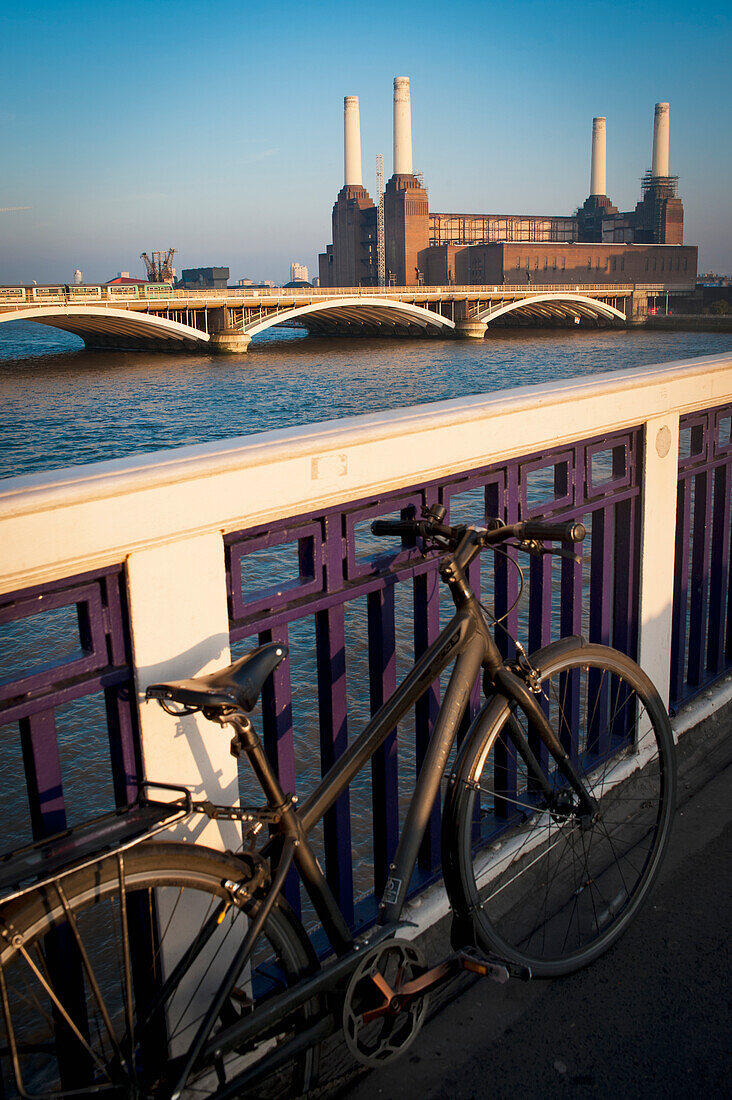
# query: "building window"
564, 262
647, 262
546, 262
684, 263
615, 263
589, 263
662, 263
622, 263
518, 262
655, 261
536, 263
555, 263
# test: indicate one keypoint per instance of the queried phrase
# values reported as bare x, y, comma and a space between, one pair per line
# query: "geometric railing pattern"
355, 612
701, 644
67, 707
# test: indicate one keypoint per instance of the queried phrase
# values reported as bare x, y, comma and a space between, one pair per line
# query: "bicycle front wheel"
548, 887
106, 974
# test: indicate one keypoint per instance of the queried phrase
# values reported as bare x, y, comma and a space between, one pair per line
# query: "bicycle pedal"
490, 966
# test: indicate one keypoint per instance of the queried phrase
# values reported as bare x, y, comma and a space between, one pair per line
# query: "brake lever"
530, 546
560, 552
538, 550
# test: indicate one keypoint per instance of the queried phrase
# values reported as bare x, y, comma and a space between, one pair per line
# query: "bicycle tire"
539, 885
170, 890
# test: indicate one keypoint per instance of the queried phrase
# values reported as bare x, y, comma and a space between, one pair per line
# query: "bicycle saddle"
237, 685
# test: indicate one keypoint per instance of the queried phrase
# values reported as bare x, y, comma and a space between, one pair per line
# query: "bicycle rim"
549, 888
96, 1000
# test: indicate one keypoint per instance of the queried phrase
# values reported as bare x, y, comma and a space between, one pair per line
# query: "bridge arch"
118, 328
551, 306
356, 315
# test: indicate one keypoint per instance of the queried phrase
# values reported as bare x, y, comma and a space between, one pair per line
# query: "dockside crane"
160, 266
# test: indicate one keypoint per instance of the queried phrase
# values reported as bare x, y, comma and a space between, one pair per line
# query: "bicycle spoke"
89, 971
568, 883
110, 1054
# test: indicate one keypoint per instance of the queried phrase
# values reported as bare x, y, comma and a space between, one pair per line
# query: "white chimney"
598, 181
402, 127
659, 166
351, 142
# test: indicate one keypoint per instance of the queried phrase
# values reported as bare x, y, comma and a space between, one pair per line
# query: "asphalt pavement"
649, 1019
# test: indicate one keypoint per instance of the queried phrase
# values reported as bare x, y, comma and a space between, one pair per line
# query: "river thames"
64, 406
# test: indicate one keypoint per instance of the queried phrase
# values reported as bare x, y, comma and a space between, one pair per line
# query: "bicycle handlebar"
529, 529
405, 527
563, 532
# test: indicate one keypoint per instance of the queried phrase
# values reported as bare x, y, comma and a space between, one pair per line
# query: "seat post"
246, 739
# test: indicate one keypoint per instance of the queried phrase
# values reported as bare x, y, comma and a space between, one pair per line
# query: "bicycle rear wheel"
545, 887
83, 965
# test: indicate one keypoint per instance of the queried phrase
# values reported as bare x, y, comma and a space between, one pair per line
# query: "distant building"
207, 278
709, 278
551, 262
422, 247
78, 277
122, 278
298, 273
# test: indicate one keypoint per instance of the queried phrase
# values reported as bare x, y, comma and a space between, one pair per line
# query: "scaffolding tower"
380, 249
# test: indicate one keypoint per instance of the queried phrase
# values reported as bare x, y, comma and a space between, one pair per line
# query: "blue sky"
216, 128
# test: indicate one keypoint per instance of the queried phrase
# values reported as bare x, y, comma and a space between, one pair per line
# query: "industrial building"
208, 278
437, 249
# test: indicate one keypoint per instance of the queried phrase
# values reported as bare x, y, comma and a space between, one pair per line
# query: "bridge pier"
226, 337
638, 313
470, 329
230, 342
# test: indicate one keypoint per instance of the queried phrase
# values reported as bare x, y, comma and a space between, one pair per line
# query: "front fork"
511, 686
516, 690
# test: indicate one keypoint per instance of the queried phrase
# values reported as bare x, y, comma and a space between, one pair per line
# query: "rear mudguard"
494, 711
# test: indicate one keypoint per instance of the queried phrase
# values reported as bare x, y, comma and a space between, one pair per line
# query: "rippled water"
62, 405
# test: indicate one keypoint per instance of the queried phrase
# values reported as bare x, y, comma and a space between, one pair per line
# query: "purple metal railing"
66, 660
701, 642
340, 565
355, 612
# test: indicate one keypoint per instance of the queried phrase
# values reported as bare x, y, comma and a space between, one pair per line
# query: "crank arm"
395, 1000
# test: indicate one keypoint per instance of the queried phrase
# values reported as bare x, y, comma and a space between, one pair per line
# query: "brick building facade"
548, 263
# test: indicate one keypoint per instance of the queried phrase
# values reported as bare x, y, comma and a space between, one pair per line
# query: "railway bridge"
158, 317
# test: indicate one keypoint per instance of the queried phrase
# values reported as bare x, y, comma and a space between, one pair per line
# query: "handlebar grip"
566, 532
395, 527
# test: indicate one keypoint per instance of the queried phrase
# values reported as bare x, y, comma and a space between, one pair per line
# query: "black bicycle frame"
468, 635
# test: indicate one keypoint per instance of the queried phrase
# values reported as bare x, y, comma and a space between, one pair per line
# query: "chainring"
379, 1022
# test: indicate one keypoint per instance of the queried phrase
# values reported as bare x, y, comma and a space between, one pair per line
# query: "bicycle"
135, 967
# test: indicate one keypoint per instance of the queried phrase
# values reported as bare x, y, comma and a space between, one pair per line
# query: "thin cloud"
264, 154
12, 209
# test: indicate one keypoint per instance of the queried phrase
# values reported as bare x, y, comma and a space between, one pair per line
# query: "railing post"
180, 628
658, 536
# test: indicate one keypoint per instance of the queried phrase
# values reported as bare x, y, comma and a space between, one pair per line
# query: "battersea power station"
399, 241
